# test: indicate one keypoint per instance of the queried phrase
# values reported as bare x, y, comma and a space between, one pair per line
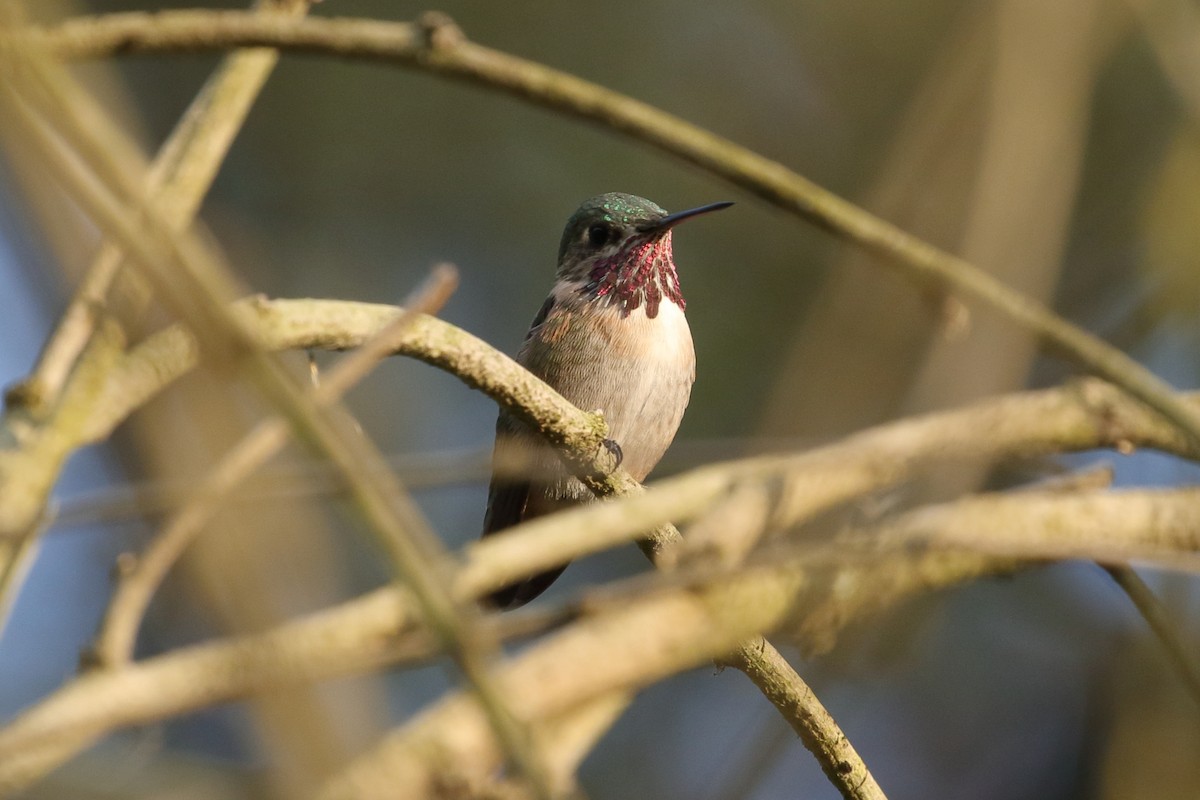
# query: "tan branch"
818, 731
625, 647
176, 182
1087, 415
137, 582
355, 636
438, 46
1057, 525
195, 286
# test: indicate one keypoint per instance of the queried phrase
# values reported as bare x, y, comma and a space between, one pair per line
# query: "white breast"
652, 365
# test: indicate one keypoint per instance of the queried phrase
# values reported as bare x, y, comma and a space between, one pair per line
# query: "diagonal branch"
435, 44
1169, 635
196, 286
138, 581
820, 734
1085, 416
177, 181
440, 47
625, 646
1088, 415
370, 631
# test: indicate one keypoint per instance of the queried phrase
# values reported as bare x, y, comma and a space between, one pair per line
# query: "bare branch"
176, 182
359, 635
1090, 414
196, 287
1169, 634
138, 581
437, 45
821, 735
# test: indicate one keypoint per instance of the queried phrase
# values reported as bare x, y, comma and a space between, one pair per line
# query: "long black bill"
671, 220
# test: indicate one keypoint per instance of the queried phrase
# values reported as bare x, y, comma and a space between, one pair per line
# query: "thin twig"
138, 500
1169, 635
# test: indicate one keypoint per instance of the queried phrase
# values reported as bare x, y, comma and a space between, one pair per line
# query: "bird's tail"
518, 594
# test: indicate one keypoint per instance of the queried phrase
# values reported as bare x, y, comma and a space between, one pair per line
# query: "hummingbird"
612, 338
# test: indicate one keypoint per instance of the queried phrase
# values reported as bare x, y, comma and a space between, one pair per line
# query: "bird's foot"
615, 449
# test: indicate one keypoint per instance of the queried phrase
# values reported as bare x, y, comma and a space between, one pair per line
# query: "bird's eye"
598, 235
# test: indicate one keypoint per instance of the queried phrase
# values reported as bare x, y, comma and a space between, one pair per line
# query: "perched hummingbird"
611, 337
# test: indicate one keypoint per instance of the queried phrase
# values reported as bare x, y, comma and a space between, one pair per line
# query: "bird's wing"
508, 493
512, 499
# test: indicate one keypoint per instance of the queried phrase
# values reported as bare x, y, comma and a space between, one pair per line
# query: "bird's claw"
615, 449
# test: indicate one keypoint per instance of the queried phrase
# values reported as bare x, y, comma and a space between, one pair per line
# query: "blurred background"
1054, 144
